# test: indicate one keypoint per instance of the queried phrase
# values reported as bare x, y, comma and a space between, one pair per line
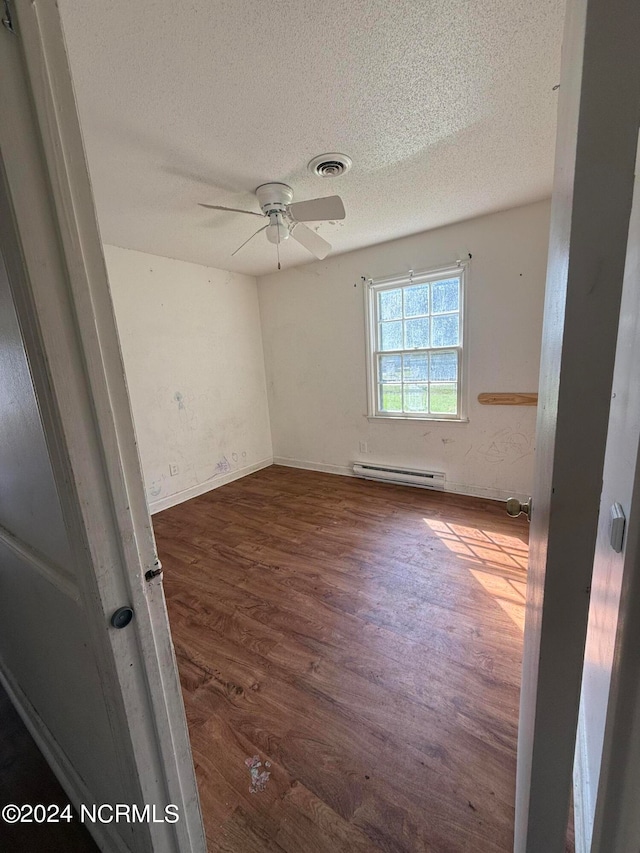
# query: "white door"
607, 772
76, 543
598, 115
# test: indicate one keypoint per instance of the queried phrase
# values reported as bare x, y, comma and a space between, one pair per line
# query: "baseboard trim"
581, 792
207, 486
313, 466
457, 488
103, 834
490, 494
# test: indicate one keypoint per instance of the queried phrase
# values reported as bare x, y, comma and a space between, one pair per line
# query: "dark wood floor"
365, 639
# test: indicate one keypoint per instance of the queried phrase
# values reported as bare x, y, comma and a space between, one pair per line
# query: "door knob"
122, 617
515, 508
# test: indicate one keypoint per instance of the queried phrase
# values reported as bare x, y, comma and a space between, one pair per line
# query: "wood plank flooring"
363, 638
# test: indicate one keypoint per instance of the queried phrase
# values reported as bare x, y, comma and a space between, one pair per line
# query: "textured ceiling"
445, 106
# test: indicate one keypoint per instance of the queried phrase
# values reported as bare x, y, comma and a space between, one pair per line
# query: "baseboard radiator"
403, 476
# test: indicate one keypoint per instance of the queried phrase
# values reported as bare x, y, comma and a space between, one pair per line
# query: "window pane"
416, 300
416, 398
390, 368
444, 398
416, 333
390, 304
416, 367
390, 398
443, 367
445, 296
444, 330
391, 335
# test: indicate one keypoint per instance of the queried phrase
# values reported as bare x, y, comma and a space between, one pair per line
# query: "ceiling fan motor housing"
274, 198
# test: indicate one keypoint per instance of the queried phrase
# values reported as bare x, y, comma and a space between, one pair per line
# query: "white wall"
192, 348
618, 482
314, 342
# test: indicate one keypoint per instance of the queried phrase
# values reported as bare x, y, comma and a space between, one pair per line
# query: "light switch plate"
616, 527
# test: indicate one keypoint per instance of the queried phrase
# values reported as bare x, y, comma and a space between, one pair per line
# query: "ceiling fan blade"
229, 209
247, 240
312, 242
316, 209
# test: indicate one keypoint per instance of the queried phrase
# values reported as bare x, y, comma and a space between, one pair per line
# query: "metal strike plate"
154, 573
617, 523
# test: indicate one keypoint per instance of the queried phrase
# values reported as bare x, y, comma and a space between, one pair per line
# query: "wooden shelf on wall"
508, 399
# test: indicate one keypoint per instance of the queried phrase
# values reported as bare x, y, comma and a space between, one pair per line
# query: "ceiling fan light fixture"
331, 165
277, 230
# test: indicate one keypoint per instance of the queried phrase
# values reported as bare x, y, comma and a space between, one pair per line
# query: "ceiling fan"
286, 219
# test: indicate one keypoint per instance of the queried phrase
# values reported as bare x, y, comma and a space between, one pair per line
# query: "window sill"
419, 419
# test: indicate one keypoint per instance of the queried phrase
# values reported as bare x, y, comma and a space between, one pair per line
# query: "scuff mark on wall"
188, 404
506, 445
223, 466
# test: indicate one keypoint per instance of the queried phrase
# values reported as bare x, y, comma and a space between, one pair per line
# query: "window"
415, 337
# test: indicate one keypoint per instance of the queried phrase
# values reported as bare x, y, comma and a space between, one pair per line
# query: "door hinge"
7, 20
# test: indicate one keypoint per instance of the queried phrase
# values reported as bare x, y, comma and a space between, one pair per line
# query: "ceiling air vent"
330, 165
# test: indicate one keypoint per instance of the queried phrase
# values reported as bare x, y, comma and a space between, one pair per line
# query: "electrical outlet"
173, 470
364, 447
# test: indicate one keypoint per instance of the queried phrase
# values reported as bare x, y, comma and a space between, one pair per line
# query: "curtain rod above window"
423, 275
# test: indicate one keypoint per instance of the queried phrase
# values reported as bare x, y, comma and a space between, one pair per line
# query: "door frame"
598, 115
61, 293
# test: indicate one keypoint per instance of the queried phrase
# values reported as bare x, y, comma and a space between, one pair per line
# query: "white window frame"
371, 290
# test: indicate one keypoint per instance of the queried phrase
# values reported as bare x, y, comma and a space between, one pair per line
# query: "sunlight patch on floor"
506, 595
489, 550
